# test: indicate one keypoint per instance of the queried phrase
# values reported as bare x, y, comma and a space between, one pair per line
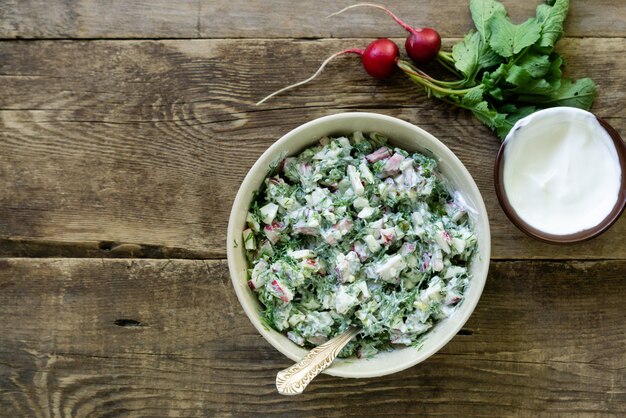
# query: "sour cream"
561, 171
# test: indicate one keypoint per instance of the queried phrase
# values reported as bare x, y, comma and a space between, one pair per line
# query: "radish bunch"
501, 71
380, 57
422, 45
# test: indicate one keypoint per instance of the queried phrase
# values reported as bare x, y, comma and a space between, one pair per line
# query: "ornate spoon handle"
294, 379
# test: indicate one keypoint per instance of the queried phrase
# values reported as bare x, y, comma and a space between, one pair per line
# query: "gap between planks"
125, 251
244, 38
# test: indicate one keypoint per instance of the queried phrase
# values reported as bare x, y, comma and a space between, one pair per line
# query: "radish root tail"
377, 6
319, 70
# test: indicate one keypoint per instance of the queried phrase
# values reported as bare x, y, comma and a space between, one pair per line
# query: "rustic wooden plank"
142, 144
11, 247
251, 19
96, 19
547, 338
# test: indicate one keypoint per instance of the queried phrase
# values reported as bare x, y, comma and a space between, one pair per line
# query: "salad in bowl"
359, 220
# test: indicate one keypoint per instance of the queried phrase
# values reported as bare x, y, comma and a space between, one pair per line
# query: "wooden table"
125, 130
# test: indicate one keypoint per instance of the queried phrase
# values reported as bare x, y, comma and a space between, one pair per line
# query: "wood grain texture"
85, 337
135, 149
141, 146
281, 19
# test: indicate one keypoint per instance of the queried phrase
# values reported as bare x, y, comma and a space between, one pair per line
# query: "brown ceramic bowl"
581, 236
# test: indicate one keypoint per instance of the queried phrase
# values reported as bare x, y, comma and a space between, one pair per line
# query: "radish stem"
446, 55
449, 66
319, 70
428, 82
433, 80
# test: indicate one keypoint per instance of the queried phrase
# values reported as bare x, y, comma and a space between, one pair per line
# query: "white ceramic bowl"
401, 134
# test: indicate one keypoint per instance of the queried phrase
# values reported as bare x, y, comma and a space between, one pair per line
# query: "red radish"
379, 154
444, 240
255, 283
422, 44
343, 226
426, 261
361, 250
281, 291
310, 264
272, 231
451, 300
379, 60
303, 229
387, 235
407, 248
392, 165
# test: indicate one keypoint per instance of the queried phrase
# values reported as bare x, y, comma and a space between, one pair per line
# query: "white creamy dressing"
561, 171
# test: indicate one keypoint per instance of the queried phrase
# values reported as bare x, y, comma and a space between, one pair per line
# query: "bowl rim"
580, 236
483, 258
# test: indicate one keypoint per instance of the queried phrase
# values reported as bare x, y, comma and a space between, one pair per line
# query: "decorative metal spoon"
294, 379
